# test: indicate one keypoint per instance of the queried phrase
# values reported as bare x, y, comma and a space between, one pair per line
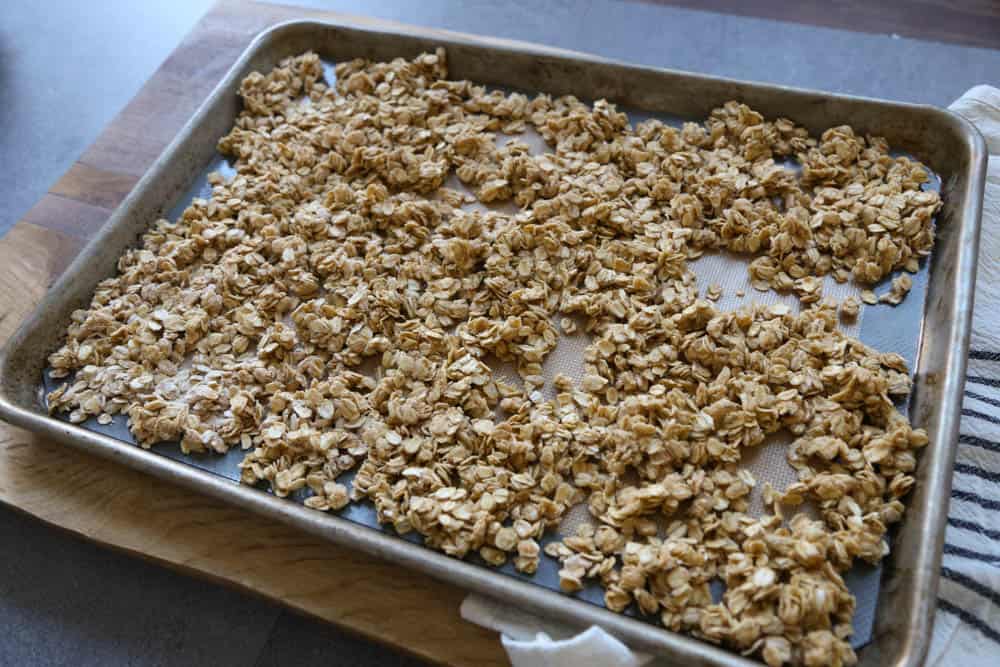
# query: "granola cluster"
334, 306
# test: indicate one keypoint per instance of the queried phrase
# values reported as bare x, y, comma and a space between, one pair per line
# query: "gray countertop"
67, 67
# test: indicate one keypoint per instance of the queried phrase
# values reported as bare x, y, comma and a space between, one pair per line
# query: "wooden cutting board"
142, 515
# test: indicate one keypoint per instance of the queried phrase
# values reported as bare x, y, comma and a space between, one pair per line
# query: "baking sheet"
884, 327
943, 141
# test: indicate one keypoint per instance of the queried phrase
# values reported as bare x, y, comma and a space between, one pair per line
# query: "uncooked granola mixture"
257, 318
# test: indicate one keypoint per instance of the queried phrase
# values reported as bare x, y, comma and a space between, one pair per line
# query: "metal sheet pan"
935, 326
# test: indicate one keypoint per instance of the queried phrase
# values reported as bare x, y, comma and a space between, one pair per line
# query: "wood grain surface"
969, 22
142, 515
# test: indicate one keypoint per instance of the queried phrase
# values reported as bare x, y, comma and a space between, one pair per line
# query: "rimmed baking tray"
935, 325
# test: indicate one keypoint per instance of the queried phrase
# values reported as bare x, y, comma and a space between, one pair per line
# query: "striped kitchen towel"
967, 625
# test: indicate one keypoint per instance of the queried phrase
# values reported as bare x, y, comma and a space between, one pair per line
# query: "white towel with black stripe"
967, 625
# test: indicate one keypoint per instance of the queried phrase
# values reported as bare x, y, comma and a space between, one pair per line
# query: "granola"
335, 306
